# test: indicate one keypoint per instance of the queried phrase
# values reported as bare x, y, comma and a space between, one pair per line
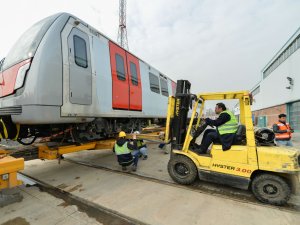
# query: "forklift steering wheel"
196, 132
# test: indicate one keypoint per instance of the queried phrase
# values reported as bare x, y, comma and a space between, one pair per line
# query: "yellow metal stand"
9, 166
154, 136
45, 152
53, 153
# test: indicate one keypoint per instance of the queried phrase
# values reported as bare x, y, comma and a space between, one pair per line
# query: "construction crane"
122, 33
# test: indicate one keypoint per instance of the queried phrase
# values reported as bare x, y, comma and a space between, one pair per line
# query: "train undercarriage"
100, 128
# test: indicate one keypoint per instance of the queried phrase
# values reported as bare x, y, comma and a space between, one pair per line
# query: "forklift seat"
240, 138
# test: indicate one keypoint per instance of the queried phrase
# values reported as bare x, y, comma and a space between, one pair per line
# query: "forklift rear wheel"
272, 189
182, 169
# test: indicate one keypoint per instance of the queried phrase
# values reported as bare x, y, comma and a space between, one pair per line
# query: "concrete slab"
39, 207
156, 167
148, 201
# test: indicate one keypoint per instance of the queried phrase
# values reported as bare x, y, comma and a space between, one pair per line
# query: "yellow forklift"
269, 171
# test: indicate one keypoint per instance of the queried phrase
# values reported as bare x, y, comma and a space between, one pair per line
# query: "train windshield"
27, 44
1, 63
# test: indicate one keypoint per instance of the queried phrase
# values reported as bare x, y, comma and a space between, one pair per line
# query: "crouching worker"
125, 151
142, 148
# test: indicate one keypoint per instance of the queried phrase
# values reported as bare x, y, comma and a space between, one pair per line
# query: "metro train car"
63, 76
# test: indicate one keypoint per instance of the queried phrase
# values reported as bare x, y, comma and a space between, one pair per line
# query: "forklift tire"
271, 189
182, 169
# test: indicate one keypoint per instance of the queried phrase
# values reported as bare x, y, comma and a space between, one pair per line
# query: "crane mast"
122, 32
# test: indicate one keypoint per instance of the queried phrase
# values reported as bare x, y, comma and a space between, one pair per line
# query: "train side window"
134, 77
154, 83
80, 51
164, 86
120, 67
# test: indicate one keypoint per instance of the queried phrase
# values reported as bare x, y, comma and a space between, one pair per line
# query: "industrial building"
279, 88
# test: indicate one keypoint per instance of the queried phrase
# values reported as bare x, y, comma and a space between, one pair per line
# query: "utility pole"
122, 33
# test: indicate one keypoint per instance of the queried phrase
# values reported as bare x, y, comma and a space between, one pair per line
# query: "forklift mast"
181, 109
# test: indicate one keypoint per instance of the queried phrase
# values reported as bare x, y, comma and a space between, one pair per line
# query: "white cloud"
217, 45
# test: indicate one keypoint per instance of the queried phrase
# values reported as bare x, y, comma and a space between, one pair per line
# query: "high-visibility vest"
139, 143
282, 126
121, 150
230, 127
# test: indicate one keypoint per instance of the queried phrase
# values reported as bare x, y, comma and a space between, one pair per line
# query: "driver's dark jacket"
226, 139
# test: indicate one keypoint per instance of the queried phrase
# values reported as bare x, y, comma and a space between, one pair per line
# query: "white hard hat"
136, 132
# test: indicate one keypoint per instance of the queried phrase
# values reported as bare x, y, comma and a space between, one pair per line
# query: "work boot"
145, 157
198, 149
124, 168
133, 168
194, 146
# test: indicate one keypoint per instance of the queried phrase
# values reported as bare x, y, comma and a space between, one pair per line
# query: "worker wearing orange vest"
283, 131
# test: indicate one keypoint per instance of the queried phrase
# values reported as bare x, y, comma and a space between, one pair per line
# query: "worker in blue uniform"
225, 133
142, 148
125, 151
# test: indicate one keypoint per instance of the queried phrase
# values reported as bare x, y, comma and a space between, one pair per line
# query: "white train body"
63, 71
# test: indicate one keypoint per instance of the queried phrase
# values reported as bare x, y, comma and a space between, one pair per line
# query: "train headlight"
21, 75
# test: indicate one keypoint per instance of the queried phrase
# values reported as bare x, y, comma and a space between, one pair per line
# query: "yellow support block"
76, 148
9, 166
3, 152
47, 153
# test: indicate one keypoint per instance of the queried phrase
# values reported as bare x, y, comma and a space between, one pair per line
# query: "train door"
135, 86
120, 79
80, 89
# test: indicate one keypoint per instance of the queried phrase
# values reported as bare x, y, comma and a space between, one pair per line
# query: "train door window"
120, 67
134, 76
80, 52
164, 86
154, 83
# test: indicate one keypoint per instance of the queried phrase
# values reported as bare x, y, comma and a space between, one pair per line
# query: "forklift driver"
225, 133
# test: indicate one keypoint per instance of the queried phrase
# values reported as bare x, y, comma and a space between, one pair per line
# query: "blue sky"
219, 45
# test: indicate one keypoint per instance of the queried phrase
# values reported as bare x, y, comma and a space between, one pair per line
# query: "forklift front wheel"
182, 169
272, 189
